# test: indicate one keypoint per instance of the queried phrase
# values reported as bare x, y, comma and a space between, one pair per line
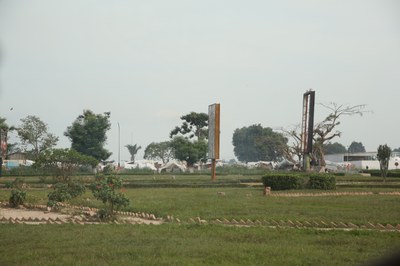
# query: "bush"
17, 197
283, 181
322, 181
107, 189
390, 173
65, 191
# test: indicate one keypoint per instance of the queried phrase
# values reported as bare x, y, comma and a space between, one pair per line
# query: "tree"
183, 144
189, 151
33, 133
383, 156
294, 148
334, 148
397, 150
63, 164
325, 131
356, 147
5, 147
88, 134
159, 151
133, 149
194, 124
255, 143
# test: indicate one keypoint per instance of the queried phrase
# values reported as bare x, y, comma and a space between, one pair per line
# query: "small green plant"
17, 197
65, 191
107, 189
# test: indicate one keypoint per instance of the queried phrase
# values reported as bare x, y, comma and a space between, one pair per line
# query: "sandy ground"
22, 213
26, 213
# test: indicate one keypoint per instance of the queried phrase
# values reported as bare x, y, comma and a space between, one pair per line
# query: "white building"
363, 160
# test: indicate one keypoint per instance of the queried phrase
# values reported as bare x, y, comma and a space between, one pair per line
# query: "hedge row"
391, 173
285, 181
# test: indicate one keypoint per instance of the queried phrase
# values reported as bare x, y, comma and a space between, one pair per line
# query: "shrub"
106, 188
65, 191
283, 181
322, 181
17, 197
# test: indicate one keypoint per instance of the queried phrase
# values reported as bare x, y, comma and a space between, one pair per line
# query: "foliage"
18, 197
133, 149
255, 143
194, 124
63, 163
106, 188
383, 156
88, 134
356, 147
322, 181
334, 148
159, 151
326, 130
285, 181
282, 181
65, 191
33, 132
188, 150
390, 173
397, 150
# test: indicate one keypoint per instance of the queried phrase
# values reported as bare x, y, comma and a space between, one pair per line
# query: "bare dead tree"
294, 148
326, 130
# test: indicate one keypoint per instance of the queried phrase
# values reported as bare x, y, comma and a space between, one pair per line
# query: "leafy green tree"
133, 150
383, 156
255, 143
107, 189
88, 134
356, 147
63, 164
189, 151
193, 125
159, 151
334, 148
33, 133
397, 150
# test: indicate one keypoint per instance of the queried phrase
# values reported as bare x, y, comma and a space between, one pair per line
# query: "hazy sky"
149, 62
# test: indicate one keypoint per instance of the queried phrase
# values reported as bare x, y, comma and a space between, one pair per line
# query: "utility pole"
119, 146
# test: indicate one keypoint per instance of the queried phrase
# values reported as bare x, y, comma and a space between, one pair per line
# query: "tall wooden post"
213, 136
307, 127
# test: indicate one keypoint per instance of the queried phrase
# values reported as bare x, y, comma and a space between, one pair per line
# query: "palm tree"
133, 149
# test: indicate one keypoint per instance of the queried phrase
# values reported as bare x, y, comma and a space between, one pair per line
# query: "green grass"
194, 195
187, 245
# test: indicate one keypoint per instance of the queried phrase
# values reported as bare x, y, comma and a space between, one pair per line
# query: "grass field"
187, 196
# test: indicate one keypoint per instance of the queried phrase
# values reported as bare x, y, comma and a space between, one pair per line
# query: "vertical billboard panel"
213, 130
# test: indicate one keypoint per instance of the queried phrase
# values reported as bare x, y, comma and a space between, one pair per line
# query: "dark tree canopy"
159, 151
356, 147
88, 134
334, 148
189, 151
193, 125
255, 143
383, 156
